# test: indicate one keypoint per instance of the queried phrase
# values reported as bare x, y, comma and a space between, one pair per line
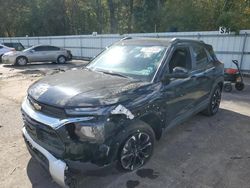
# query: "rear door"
53, 52
203, 71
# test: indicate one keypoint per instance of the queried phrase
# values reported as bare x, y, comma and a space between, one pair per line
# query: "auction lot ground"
202, 152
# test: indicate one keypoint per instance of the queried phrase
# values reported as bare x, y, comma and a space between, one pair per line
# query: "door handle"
197, 75
210, 70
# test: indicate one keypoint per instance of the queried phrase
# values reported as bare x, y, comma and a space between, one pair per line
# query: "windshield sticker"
151, 50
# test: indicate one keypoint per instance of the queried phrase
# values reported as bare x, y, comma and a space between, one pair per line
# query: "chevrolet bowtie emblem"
37, 106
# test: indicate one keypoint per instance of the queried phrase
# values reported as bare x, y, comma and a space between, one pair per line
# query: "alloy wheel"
22, 61
216, 100
62, 59
136, 151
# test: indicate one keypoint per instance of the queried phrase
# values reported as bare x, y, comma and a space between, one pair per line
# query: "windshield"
25, 50
138, 62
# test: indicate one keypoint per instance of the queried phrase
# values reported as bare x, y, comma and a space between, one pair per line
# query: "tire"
137, 147
61, 59
239, 86
70, 57
214, 103
228, 87
21, 61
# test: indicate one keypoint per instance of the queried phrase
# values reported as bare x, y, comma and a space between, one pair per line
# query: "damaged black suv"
113, 110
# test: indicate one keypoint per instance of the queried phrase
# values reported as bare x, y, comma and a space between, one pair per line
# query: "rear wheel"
137, 148
61, 59
214, 103
21, 61
239, 86
228, 87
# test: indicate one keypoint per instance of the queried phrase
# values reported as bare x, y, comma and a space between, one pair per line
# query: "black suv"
112, 111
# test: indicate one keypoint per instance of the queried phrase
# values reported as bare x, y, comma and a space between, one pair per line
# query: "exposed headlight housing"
92, 133
80, 111
92, 111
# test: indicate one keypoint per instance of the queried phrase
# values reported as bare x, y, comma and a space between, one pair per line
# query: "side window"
53, 48
38, 49
45, 48
200, 56
180, 58
1, 47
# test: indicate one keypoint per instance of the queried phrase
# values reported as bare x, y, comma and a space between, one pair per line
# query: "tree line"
71, 17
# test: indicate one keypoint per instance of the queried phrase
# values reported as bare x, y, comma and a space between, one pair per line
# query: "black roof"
156, 41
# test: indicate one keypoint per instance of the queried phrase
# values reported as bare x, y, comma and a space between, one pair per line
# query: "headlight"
89, 133
80, 111
92, 111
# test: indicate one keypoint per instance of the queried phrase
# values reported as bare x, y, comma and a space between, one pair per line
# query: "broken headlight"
81, 111
89, 132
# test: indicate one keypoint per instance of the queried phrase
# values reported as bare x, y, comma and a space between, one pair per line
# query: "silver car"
39, 53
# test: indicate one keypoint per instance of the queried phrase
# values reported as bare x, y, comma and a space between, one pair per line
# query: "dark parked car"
112, 111
17, 45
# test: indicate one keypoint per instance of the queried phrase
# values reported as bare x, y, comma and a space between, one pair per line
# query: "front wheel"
137, 149
214, 103
21, 61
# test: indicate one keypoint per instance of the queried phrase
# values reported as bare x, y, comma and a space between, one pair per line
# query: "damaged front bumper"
62, 166
57, 167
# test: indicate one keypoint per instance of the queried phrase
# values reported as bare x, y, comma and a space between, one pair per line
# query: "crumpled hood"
80, 88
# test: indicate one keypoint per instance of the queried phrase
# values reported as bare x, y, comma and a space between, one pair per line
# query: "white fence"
226, 46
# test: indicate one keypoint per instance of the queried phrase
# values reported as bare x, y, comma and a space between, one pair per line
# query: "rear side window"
211, 52
200, 56
53, 48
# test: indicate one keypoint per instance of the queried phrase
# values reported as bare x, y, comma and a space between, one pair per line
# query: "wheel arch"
219, 81
154, 122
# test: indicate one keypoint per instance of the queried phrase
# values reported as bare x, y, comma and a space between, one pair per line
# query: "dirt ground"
202, 152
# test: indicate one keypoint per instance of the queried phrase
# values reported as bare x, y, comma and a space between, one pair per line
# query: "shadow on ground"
42, 69
204, 151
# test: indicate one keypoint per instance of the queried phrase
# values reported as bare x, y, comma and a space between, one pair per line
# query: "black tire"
137, 147
228, 87
70, 57
21, 61
61, 59
239, 86
214, 103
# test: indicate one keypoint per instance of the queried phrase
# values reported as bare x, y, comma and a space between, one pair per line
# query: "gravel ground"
202, 152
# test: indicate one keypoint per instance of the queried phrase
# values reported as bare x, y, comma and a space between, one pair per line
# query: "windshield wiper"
114, 74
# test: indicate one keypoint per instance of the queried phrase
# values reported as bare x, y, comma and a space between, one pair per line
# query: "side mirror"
32, 51
178, 72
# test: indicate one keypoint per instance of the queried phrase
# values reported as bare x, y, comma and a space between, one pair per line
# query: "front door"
179, 93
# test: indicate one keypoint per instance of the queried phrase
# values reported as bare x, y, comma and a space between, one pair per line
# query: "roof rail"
126, 38
175, 40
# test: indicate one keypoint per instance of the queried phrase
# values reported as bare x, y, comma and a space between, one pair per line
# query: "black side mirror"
180, 72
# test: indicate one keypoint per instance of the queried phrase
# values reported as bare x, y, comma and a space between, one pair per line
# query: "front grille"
44, 135
37, 154
47, 109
